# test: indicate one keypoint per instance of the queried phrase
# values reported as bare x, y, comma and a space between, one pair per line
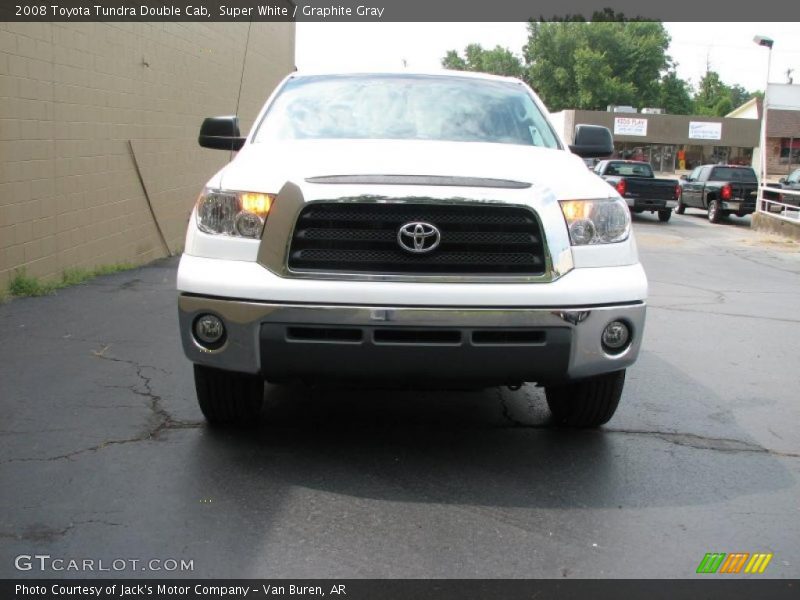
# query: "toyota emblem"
418, 237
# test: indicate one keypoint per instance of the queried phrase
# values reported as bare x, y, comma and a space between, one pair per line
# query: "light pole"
763, 40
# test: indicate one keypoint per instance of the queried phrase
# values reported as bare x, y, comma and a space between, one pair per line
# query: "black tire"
714, 211
590, 402
681, 208
664, 215
226, 397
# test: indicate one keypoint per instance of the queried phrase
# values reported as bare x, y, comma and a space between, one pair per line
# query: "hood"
265, 167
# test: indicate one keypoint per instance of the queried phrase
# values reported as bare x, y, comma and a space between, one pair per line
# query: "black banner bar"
393, 10
714, 587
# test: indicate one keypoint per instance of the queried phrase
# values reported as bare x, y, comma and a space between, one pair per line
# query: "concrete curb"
771, 224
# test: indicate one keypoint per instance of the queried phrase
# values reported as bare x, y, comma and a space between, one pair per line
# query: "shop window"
790, 151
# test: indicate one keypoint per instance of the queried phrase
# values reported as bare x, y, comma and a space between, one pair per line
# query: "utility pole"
766, 42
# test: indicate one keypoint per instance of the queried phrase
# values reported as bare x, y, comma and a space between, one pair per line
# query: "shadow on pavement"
459, 448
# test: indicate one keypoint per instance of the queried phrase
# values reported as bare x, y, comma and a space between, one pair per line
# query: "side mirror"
782, 180
592, 141
685, 177
221, 133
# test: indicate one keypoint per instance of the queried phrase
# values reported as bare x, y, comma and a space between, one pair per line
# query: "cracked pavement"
105, 454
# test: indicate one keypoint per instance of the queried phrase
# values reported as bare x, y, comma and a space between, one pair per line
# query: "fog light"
209, 331
616, 336
582, 232
249, 224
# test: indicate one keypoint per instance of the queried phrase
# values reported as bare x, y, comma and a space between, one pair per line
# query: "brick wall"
775, 167
74, 94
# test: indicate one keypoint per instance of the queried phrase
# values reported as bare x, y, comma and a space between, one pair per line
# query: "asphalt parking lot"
105, 456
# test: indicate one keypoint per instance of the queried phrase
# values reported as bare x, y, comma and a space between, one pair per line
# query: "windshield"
733, 174
405, 107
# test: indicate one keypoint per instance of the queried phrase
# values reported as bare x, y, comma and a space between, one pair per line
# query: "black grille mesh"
476, 239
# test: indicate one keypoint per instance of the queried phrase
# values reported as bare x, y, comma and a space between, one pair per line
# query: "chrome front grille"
478, 239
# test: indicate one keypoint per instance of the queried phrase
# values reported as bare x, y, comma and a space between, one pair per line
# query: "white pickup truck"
409, 229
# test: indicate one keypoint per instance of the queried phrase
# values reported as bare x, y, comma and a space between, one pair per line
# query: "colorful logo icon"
719, 562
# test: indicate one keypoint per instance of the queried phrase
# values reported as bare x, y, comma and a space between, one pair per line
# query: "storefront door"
667, 159
662, 158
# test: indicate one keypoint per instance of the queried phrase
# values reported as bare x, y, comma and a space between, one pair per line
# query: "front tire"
714, 211
681, 208
664, 215
228, 398
590, 402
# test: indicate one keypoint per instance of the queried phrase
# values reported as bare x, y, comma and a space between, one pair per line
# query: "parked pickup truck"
792, 183
721, 190
412, 230
634, 181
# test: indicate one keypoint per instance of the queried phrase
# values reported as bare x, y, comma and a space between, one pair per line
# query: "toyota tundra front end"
412, 230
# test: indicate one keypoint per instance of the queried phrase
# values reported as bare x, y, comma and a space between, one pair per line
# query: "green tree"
453, 61
675, 94
739, 95
574, 64
723, 107
710, 92
715, 98
498, 61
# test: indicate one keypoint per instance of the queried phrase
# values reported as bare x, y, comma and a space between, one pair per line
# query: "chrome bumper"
739, 205
647, 204
578, 330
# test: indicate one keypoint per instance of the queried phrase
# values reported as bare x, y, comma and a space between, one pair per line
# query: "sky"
343, 46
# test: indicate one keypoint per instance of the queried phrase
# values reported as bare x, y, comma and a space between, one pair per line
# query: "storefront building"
671, 143
783, 127
783, 141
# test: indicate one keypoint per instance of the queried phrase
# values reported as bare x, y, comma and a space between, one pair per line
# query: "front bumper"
492, 345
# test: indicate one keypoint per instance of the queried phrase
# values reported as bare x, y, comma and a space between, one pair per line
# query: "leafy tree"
674, 94
453, 61
573, 64
710, 91
717, 99
498, 61
723, 106
739, 95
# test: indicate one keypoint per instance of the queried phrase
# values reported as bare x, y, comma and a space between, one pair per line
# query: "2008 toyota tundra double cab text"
411, 229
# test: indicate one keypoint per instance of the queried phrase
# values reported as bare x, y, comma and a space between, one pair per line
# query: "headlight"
240, 214
602, 221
